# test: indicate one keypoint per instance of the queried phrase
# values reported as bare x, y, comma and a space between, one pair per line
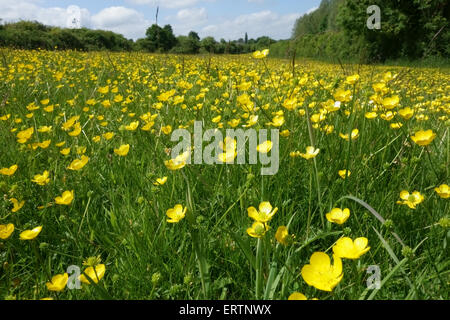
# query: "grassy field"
108, 211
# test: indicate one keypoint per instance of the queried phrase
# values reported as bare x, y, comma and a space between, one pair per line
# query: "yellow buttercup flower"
318, 117
227, 157
343, 95
173, 165
371, 115
251, 121
176, 213
49, 108
328, 129
178, 163
103, 90
311, 152
229, 146
17, 205
45, 102
396, 125
406, 113
290, 104
321, 274
45, 129
132, 126
265, 147
78, 164
94, 273
65, 199
294, 154
260, 54
351, 80
277, 121
391, 102
423, 138
65, 151
118, 98
122, 150
217, 119
443, 191
81, 150
148, 126
6, 230
264, 214
411, 200
9, 171
91, 102
388, 116
70, 123
167, 129
42, 179
163, 97
44, 144
234, 123
160, 181
76, 130
257, 230
338, 215
108, 135
344, 173
30, 234
354, 135
349, 249
24, 135
58, 282
299, 296
282, 235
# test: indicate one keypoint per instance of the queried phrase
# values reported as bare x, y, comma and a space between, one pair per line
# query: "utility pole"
158, 36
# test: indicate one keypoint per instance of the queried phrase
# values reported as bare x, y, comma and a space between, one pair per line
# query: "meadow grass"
118, 213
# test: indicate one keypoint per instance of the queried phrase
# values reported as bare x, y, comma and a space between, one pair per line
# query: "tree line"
411, 29
33, 35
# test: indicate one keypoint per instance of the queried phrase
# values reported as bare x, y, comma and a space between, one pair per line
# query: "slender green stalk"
258, 281
197, 243
428, 151
308, 222
313, 144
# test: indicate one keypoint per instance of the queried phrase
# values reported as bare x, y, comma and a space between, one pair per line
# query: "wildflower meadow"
97, 204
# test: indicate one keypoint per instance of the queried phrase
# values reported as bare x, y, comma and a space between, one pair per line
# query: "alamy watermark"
374, 281
73, 17
74, 273
231, 150
374, 21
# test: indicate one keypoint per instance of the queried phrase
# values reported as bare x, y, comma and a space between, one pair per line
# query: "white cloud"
311, 10
255, 24
171, 4
122, 20
126, 21
191, 15
187, 20
14, 10
133, 24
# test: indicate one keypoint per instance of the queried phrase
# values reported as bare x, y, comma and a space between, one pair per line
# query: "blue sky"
228, 19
